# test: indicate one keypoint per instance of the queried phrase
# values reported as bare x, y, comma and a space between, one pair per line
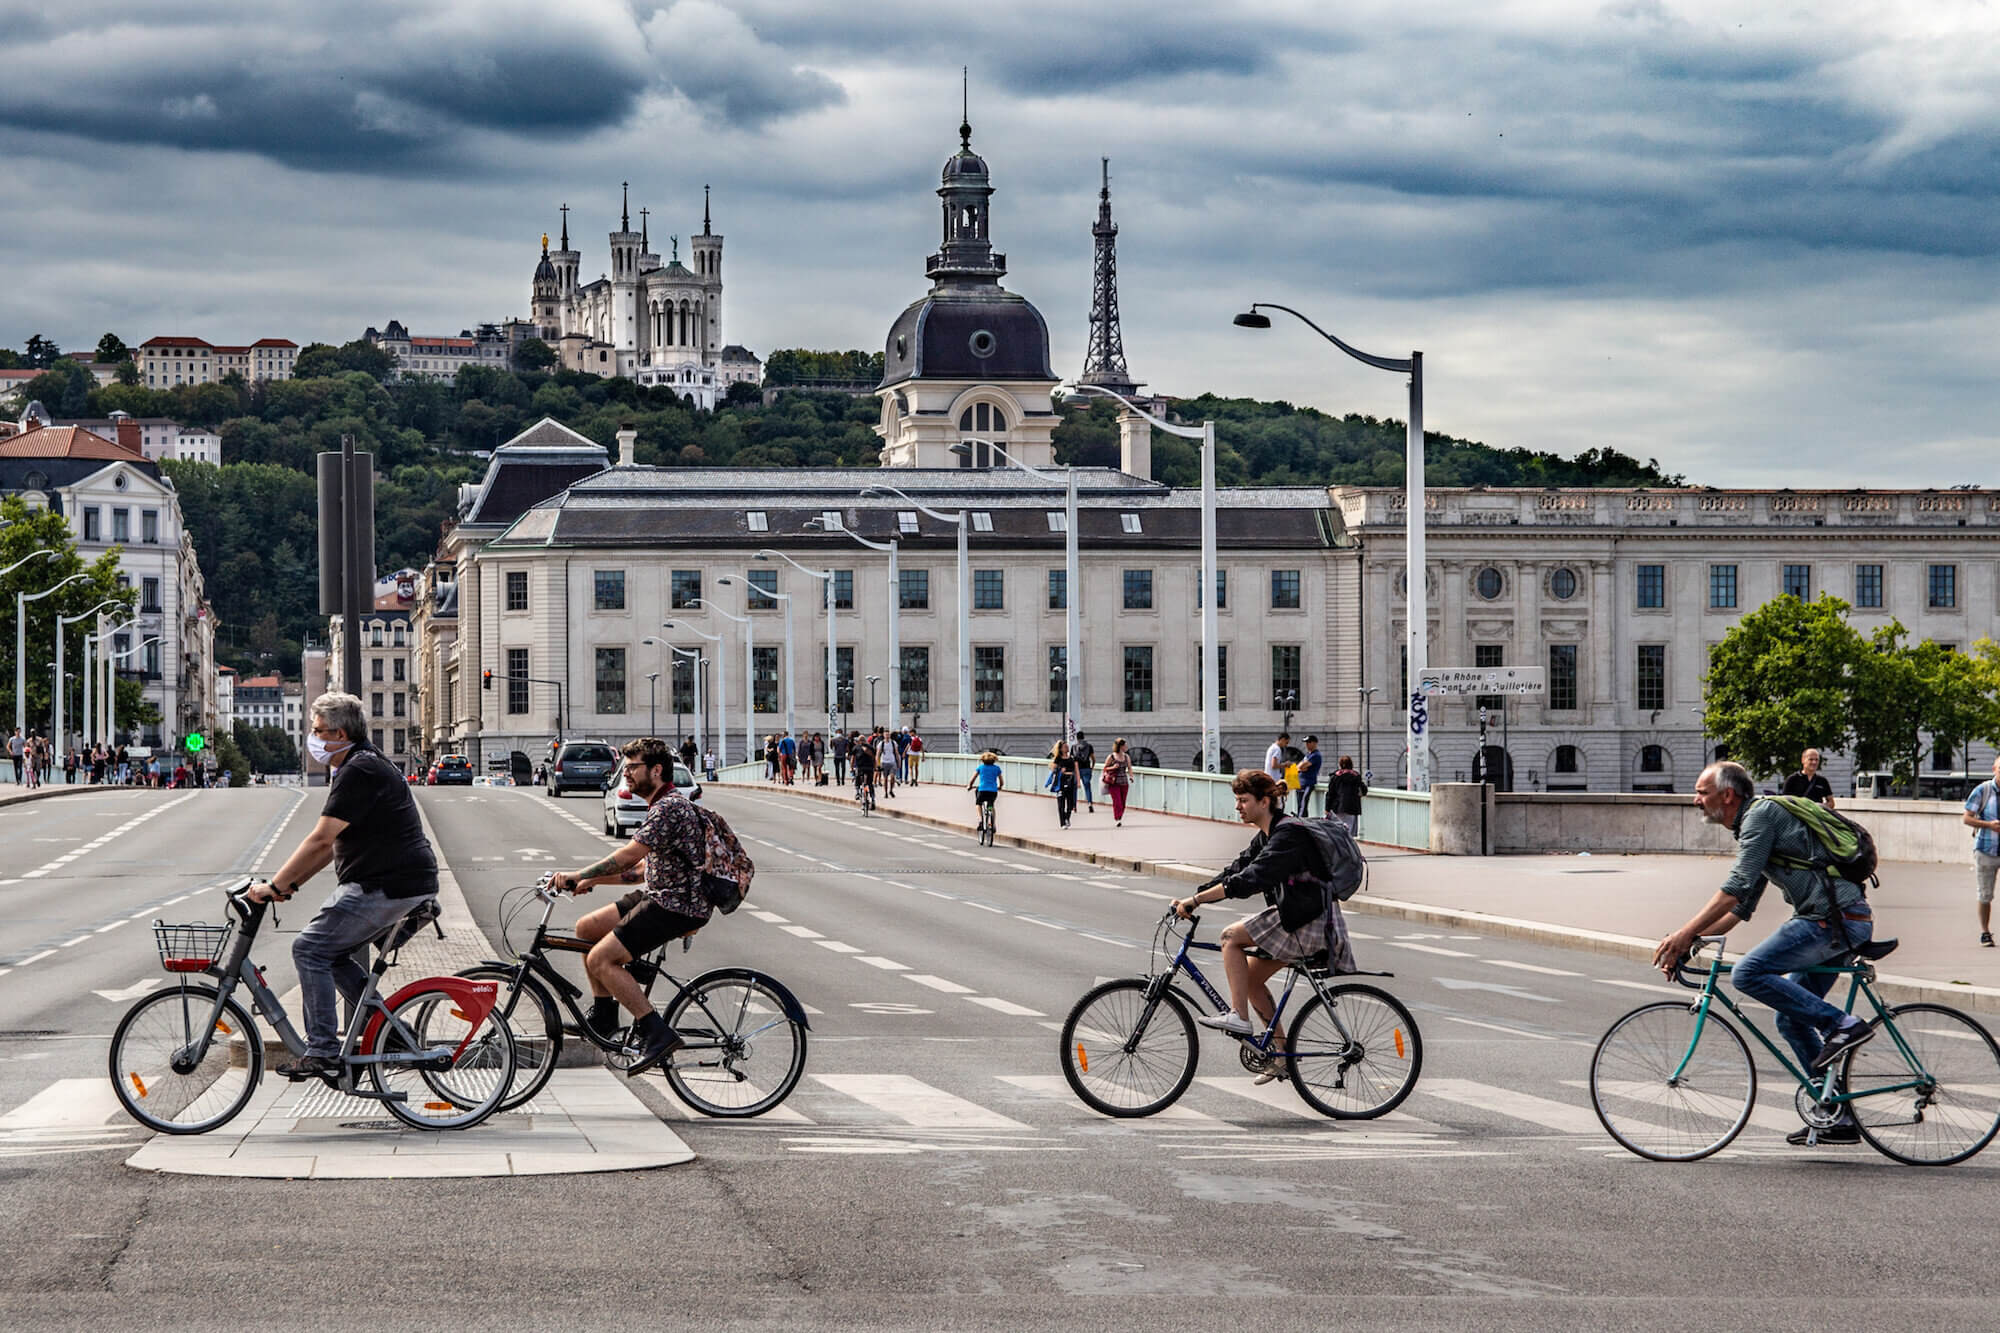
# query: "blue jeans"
329, 954
1083, 776
1805, 1019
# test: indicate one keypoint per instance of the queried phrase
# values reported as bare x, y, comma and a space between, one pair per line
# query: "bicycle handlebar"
1680, 969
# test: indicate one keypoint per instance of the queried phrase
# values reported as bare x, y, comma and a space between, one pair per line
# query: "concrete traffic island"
584, 1121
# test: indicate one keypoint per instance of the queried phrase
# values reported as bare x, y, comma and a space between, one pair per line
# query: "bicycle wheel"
1670, 1092
462, 1092
744, 1054
1355, 1054
1935, 1105
535, 1024
182, 1098
1125, 1054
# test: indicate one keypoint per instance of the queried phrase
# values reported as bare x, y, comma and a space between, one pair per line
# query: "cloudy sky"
1758, 242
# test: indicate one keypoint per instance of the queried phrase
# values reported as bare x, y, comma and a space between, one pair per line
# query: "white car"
623, 811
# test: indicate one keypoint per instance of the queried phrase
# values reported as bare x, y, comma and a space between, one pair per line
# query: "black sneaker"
303, 1067
1986, 938
1843, 1135
657, 1041
1841, 1042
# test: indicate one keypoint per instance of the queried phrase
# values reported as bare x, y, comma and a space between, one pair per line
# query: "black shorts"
644, 925
985, 797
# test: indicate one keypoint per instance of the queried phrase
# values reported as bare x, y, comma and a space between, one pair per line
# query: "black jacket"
1289, 866
1344, 791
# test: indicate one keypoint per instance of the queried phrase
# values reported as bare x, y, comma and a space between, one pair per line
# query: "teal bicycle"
1674, 1081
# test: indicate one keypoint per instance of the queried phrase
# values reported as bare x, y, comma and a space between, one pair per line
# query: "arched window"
1568, 760
1653, 759
980, 427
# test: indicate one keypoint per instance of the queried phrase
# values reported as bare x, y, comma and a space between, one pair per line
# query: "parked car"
623, 810
453, 770
582, 766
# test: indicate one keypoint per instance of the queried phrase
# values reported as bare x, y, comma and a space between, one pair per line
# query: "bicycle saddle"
423, 914
1876, 950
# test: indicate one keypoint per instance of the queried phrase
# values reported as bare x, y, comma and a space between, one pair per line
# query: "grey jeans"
331, 953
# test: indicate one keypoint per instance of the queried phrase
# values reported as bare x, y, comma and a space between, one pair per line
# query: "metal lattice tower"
1104, 360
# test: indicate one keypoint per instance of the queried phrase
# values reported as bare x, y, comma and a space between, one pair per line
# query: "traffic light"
486, 680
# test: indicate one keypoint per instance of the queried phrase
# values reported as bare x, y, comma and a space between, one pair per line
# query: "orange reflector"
462, 1015
437, 1106
1399, 1044
138, 1083
1082, 1060
224, 1028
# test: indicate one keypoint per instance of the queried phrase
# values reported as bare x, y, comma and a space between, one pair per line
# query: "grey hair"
344, 714
1728, 777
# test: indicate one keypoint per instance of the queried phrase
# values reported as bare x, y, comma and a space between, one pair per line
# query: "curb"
1894, 989
70, 789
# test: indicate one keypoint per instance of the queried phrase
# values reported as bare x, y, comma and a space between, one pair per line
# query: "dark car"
454, 770
583, 766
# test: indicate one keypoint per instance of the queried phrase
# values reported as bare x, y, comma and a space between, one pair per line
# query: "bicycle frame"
1824, 1091
1264, 1043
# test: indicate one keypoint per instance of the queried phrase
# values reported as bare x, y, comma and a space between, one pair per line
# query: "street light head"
650, 641
960, 450
722, 579
1251, 319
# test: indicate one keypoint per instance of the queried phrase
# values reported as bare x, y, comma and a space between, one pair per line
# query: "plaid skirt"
1326, 934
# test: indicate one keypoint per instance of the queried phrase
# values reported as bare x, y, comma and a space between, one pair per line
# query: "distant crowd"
34, 763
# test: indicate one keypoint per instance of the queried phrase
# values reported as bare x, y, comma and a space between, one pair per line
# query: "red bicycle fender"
475, 999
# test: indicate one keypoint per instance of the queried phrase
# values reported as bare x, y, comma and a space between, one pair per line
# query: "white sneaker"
1272, 1073
1234, 1024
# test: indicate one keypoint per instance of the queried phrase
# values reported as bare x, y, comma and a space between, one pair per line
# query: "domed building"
967, 367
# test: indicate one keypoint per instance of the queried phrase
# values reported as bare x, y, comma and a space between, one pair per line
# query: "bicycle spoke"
1935, 1098
161, 1030
1669, 1091
1356, 1057
752, 1069
1116, 1065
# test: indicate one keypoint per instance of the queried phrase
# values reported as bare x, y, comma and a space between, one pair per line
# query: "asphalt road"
932, 1171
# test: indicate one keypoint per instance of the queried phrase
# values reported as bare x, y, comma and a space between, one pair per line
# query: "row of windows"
375, 668
1940, 586
375, 704
121, 525
989, 670
914, 593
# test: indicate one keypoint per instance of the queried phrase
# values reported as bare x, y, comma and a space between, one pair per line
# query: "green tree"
1785, 679
127, 372
111, 348
534, 354
229, 757
1910, 692
41, 352
267, 749
28, 531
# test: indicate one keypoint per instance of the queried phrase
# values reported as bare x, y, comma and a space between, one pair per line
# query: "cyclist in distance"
672, 847
1830, 916
1288, 862
862, 760
986, 782
369, 829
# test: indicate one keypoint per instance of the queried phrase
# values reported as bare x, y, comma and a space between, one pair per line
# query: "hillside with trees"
253, 518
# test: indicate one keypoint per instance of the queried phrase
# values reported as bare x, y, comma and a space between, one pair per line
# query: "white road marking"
36, 959
886, 964
803, 932
1037, 921
131, 992
771, 917
1496, 1027
1562, 1117
1647, 985
1428, 948
837, 946
915, 1102
1526, 967
1056, 1087
926, 979
1000, 1006
986, 907
68, 1103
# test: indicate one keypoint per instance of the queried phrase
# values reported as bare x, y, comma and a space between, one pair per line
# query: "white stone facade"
166, 361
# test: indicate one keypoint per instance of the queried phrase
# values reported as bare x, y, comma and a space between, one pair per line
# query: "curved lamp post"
895, 614
1072, 592
1416, 600
111, 698
694, 661
1211, 709
721, 693
749, 590
21, 600
964, 521
749, 682
61, 722
825, 576
96, 670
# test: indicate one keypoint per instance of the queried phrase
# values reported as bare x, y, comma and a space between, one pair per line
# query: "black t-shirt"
1066, 766
1814, 788
383, 847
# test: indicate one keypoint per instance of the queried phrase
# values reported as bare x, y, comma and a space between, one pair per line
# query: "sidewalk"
1607, 903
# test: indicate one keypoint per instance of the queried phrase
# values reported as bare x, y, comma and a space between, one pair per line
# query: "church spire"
565, 227
965, 108
1104, 358
704, 212
625, 205
967, 255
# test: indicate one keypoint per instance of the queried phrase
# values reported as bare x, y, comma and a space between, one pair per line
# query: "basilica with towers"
659, 324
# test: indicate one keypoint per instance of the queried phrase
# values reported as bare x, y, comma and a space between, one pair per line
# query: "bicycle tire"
1113, 1016
1373, 1051
1703, 1110
742, 1013
1957, 1116
534, 1022
455, 1098
207, 1096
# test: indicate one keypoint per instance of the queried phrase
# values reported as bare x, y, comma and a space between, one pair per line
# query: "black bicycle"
864, 792
745, 1032
986, 823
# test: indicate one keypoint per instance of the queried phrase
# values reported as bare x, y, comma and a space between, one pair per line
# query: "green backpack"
1850, 851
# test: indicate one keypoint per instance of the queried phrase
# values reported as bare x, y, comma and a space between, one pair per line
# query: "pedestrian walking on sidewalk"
916, 756
1309, 776
1117, 780
1086, 767
16, 748
1062, 766
840, 745
1277, 757
1982, 815
1808, 781
1344, 791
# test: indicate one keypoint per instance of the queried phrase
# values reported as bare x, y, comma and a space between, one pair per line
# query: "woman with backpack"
1291, 863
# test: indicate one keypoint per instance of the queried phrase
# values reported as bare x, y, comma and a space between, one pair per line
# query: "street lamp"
825, 576
21, 600
1367, 693
111, 698
59, 731
873, 681
1416, 600
721, 689
895, 610
695, 666
964, 521
1072, 593
1211, 704
749, 681
652, 703
96, 672
752, 590
1288, 703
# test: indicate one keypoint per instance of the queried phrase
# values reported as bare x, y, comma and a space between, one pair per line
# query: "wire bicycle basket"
195, 947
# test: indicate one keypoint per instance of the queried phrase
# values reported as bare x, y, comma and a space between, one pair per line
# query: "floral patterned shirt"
676, 847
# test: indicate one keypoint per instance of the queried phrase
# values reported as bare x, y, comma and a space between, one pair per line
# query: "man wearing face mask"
369, 829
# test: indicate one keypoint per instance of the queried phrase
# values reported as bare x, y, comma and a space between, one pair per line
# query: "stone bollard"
1462, 818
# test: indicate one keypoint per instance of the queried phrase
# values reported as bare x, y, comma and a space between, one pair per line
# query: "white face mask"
324, 753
